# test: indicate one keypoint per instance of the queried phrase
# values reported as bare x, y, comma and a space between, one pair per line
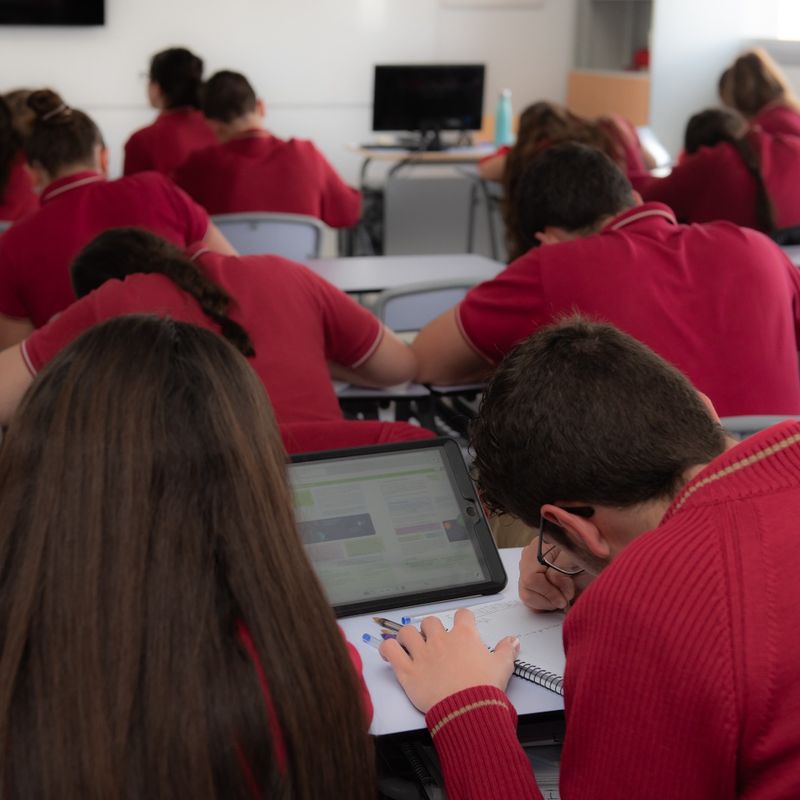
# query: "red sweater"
682, 657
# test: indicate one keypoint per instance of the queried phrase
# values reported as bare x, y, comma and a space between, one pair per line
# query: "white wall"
310, 59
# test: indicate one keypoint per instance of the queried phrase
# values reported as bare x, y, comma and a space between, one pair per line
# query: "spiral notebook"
541, 656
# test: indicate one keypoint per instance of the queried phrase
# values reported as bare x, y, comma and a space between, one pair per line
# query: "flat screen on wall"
52, 12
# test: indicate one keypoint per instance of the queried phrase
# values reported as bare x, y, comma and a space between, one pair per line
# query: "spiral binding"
539, 676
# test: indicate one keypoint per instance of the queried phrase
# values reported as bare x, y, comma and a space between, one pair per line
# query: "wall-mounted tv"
52, 12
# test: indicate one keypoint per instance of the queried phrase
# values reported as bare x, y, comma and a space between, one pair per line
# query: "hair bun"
49, 107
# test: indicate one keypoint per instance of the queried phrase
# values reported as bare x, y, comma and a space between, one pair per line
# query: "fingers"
431, 627
464, 618
411, 639
392, 652
504, 656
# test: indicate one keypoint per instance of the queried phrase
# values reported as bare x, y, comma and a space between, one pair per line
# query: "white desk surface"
393, 710
376, 273
793, 253
452, 155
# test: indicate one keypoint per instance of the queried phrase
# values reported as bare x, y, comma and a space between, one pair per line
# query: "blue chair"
749, 424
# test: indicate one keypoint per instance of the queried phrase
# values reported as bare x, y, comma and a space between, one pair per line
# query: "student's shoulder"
143, 136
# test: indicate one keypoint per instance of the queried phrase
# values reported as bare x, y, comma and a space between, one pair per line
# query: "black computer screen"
445, 97
52, 12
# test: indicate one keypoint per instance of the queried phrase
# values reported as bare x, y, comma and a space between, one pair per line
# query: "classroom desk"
393, 710
375, 273
400, 157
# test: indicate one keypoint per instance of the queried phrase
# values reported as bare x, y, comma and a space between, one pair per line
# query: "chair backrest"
410, 308
294, 236
748, 425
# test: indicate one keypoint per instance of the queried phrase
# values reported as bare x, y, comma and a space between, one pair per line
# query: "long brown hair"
145, 519
119, 252
754, 81
9, 146
542, 125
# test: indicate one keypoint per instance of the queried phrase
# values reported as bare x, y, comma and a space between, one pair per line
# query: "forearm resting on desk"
392, 362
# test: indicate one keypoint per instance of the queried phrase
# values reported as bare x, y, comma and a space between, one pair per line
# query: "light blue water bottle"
502, 120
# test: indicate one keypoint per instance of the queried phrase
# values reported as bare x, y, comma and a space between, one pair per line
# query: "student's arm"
493, 168
391, 363
452, 678
444, 355
13, 330
340, 203
215, 240
15, 378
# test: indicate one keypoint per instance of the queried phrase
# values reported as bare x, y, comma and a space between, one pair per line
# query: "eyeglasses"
548, 558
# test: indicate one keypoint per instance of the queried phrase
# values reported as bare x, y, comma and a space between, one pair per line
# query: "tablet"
394, 525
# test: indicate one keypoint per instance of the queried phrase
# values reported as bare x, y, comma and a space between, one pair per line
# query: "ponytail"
60, 136
9, 146
120, 252
765, 210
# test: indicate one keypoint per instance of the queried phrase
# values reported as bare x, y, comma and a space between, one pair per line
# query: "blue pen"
372, 641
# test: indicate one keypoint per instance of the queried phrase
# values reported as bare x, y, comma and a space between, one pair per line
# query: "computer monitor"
428, 98
52, 12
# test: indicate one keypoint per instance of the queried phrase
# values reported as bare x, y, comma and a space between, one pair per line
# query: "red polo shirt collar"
70, 182
646, 212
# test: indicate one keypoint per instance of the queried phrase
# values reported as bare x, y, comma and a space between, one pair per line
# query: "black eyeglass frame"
541, 557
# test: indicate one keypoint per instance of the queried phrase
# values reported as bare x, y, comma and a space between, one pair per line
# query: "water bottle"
502, 120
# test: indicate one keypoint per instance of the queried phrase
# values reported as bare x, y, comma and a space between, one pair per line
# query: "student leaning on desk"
682, 654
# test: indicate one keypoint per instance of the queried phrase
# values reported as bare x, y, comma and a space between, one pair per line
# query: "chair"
787, 237
748, 425
411, 307
294, 236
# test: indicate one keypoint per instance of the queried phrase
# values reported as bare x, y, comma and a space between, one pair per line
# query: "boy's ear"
579, 530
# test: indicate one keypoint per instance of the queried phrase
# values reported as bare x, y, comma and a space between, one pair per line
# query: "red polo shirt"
18, 199
778, 119
166, 143
721, 303
259, 172
714, 183
296, 320
35, 254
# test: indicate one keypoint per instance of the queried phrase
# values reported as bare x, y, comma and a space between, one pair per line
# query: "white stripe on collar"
648, 212
73, 185
202, 251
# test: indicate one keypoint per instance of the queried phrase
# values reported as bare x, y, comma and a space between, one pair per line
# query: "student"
757, 88
749, 177
288, 321
682, 655
21, 113
68, 157
163, 632
544, 125
721, 303
252, 170
17, 196
180, 128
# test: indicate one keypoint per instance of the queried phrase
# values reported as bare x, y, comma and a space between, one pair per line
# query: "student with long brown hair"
295, 327
746, 176
66, 152
17, 196
756, 87
175, 81
163, 634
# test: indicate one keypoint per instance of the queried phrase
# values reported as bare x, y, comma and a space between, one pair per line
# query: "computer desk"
394, 713
363, 274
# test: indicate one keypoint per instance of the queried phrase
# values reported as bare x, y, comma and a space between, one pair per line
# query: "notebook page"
539, 632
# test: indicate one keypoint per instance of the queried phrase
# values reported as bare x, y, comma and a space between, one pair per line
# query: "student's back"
252, 170
292, 324
17, 197
66, 149
716, 184
260, 172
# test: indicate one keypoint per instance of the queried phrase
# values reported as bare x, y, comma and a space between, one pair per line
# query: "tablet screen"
385, 525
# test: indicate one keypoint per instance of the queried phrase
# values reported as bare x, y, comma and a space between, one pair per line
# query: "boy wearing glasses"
682, 650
